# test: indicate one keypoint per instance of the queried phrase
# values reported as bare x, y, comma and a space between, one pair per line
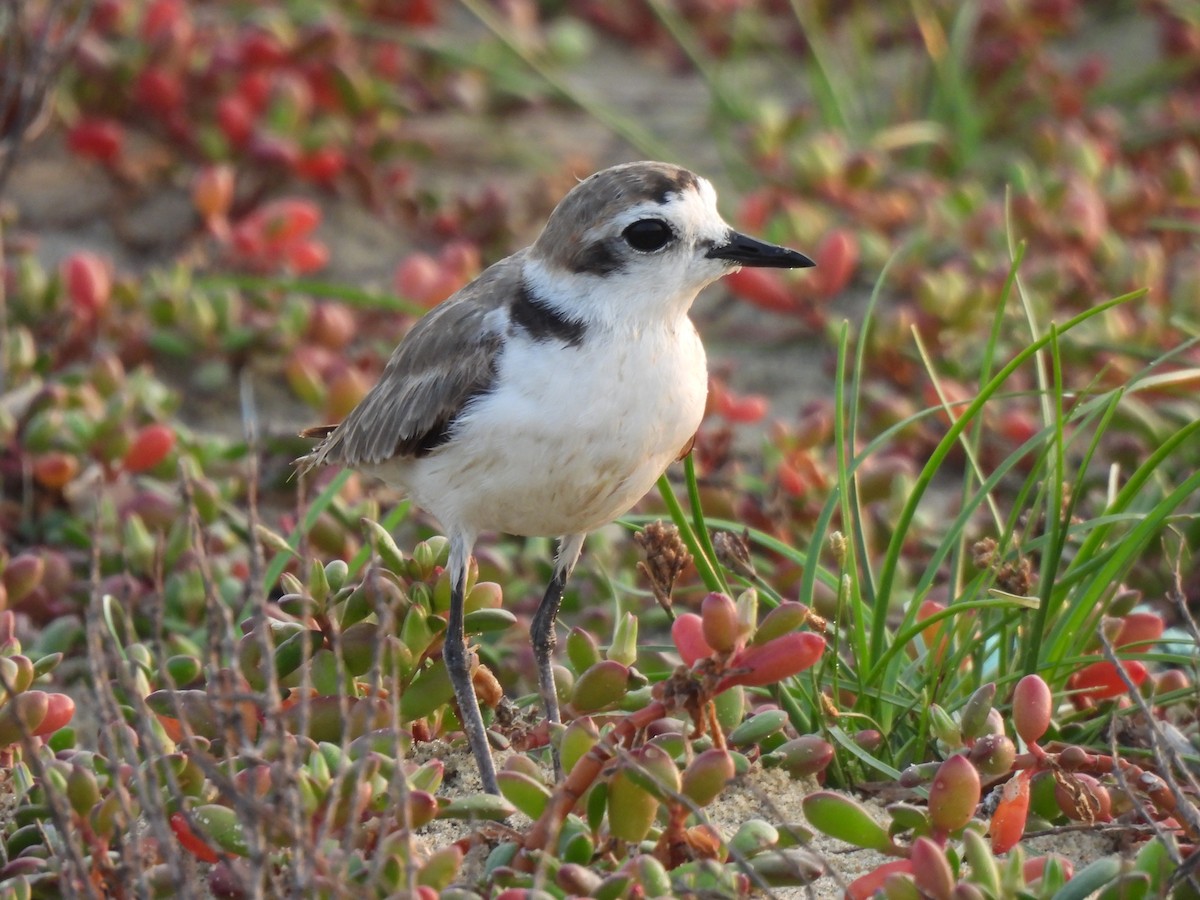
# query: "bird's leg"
454, 651
542, 629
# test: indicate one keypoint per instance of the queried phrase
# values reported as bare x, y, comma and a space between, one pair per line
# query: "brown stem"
583, 776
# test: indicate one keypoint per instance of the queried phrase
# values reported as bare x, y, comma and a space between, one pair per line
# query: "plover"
547, 396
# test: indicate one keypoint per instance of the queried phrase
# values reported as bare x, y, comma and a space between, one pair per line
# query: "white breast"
570, 438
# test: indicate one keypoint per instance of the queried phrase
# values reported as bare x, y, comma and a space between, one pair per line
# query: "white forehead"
691, 210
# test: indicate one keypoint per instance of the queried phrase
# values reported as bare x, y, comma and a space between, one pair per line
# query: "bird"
547, 396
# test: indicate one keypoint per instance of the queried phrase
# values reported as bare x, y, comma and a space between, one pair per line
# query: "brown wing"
447, 359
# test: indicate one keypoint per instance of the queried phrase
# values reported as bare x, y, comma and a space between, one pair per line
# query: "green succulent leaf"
526, 794
477, 807
1091, 878
841, 817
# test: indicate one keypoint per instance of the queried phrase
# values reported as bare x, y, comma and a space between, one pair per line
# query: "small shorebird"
548, 395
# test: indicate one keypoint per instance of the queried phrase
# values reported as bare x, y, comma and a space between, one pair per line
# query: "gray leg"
542, 629
454, 651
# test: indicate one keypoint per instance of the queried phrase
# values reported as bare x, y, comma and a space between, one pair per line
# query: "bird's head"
641, 239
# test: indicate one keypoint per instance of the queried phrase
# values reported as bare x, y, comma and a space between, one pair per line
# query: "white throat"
619, 301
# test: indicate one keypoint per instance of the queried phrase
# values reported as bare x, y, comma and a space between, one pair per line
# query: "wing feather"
447, 360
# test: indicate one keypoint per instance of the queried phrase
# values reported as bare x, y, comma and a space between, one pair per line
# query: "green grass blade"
702, 531
855, 568
1057, 531
924, 479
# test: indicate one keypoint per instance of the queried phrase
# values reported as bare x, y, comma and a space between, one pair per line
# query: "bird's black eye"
648, 235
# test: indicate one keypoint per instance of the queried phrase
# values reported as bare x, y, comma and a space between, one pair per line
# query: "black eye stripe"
648, 235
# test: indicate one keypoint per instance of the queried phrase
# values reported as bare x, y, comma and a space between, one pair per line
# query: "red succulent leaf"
235, 117
332, 325
60, 709
98, 139
190, 841
1101, 680
88, 282
414, 13
836, 258
793, 481
1008, 821
740, 408
149, 447
288, 220
687, 631
931, 869
55, 469
158, 90
1086, 800
765, 289
755, 209
419, 277
1035, 868
254, 87
868, 885
1139, 628
322, 165
165, 22
1032, 706
777, 659
307, 257
463, 258
260, 49
937, 635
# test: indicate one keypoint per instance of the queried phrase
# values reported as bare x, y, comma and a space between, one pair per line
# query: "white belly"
569, 440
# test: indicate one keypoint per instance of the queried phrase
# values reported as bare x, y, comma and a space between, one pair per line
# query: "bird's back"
445, 361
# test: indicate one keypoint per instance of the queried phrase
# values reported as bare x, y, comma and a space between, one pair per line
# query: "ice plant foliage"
1083, 787
713, 635
257, 746
278, 236
644, 778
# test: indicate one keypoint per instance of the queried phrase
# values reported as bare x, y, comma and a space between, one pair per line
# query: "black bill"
747, 251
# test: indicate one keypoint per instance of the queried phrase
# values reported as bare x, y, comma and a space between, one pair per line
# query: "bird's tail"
318, 431
316, 458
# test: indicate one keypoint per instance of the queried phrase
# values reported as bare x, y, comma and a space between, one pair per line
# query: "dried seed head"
1081, 797
983, 552
1017, 577
666, 558
733, 552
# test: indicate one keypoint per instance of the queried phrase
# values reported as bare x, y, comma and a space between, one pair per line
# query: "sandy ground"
770, 795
